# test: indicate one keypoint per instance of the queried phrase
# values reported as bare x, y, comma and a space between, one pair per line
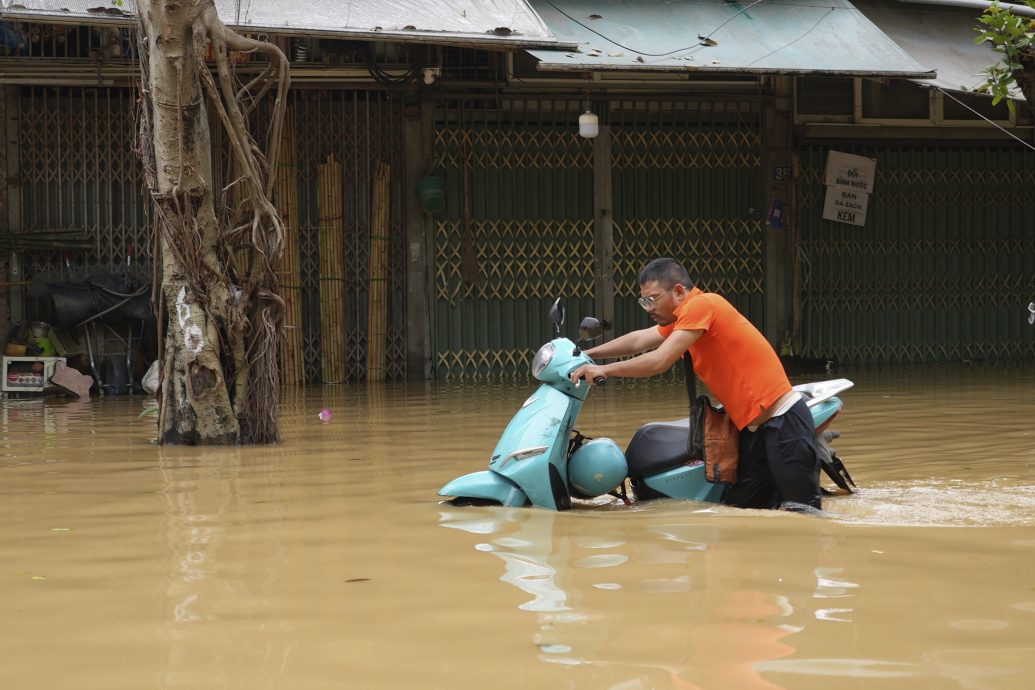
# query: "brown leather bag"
714, 438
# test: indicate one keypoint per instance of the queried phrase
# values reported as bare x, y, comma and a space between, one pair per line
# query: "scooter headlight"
542, 359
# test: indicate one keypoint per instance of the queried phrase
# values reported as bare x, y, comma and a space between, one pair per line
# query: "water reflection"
577, 571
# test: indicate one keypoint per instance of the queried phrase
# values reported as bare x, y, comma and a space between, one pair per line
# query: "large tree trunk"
219, 366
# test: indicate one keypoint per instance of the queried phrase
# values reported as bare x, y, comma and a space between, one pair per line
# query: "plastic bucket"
432, 194
46, 347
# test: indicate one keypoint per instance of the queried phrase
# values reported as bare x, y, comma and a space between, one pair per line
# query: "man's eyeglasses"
651, 301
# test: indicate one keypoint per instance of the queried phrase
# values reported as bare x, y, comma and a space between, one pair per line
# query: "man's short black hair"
667, 272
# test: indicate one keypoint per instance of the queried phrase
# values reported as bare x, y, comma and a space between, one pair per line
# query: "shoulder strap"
691, 380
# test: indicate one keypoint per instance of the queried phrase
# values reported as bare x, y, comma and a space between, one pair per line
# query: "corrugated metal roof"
939, 38
462, 21
715, 36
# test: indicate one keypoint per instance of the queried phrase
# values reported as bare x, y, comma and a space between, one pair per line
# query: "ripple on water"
978, 624
934, 503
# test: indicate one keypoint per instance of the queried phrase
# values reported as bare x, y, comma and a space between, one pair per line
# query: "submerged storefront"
718, 162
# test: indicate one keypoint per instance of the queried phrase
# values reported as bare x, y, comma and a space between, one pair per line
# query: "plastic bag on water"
151, 379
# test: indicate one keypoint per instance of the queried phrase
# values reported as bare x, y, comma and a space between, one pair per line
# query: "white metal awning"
939, 38
715, 36
468, 22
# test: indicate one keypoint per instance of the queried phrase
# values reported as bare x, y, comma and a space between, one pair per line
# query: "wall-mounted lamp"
431, 74
589, 124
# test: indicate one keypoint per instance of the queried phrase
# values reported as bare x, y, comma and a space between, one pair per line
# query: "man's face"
660, 302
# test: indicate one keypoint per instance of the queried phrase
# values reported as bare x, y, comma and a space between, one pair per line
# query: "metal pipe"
978, 5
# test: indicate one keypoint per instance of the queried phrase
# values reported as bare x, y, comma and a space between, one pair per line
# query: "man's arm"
647, 364
632, 343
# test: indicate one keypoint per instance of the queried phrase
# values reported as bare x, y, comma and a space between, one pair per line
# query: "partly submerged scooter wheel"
642, 492
462, 501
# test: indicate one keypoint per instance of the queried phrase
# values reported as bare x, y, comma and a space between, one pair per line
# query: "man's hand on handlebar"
588, 372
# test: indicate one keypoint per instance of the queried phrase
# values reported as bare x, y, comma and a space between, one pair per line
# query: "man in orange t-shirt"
778, 463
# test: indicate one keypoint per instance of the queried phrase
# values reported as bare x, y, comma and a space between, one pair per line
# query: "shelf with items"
28, 374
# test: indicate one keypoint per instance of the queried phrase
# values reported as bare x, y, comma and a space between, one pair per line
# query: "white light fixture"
431, 73
589, 124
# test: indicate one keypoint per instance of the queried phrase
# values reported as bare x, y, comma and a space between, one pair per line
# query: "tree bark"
219, 378
1025, 79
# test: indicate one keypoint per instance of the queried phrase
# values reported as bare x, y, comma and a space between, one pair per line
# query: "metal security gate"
688, 184
361, 129
77, 170
686, 178
521, 235
943, 269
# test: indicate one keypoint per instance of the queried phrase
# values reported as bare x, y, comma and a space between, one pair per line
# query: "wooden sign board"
845, 206
848, 171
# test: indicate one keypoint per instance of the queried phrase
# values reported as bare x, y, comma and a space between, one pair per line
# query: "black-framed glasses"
651, 301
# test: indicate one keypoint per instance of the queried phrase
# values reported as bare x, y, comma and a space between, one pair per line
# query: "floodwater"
329, 562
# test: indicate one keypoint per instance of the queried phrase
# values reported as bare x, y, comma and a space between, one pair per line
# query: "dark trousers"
778, 464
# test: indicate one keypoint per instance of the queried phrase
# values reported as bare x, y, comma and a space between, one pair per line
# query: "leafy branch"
1013, 37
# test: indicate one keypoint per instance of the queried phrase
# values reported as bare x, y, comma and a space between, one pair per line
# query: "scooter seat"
658, 446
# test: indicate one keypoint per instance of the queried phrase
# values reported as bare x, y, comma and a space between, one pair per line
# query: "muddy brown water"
329, 562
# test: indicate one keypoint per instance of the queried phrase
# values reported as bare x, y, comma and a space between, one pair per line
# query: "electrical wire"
991, 122
819, 21
742, 11
697, 45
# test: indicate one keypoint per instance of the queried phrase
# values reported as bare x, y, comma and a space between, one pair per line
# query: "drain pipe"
1023, 10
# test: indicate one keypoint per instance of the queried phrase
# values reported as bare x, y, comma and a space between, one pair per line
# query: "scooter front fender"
485, 485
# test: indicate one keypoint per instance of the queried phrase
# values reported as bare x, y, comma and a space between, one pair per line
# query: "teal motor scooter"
542, 460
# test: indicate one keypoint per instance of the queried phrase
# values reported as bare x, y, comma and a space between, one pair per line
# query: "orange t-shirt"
731, 357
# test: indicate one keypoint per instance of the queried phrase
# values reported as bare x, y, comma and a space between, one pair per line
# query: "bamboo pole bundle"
377, 312
286, 194
333, 322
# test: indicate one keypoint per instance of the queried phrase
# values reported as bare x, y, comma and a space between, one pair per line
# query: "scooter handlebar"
599, 380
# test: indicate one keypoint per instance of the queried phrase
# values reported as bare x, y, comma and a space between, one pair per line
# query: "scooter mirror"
590, 329
557, 314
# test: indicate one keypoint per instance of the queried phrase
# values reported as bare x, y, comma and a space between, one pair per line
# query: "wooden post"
603, 233
292, 362
377, 309
333, 316
13, 197
419, 298
782, 273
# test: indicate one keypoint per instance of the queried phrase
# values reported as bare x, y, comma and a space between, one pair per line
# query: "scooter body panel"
685, 481
485, 485
535, 441
823, 411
